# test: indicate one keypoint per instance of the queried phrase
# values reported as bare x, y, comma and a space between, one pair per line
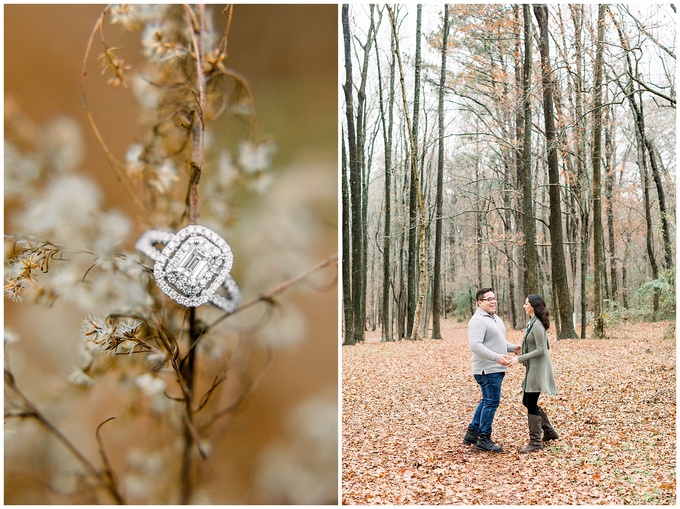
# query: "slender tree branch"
269, 295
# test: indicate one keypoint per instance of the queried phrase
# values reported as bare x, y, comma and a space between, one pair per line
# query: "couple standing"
490, 361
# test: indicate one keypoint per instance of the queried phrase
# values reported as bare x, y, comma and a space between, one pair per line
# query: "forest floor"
406, 406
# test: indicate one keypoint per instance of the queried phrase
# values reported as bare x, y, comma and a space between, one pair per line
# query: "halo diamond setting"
192, 266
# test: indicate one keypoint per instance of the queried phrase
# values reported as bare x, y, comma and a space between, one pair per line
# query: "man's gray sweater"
486, 336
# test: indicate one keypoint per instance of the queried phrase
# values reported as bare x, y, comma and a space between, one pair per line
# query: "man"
486, 337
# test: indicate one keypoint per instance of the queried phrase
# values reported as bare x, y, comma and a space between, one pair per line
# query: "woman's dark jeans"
491, 397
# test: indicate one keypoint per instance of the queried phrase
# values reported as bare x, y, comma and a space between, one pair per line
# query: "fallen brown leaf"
406, 406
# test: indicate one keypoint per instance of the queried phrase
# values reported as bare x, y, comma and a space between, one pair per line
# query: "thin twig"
31, 411
247, 391
113, 161
108, 470
269, 295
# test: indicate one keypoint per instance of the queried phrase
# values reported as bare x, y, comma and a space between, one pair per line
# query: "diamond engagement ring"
192, 266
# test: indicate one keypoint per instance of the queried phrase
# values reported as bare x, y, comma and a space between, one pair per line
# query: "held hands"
508, 361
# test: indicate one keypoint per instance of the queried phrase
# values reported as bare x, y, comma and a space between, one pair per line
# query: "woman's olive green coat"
535, 357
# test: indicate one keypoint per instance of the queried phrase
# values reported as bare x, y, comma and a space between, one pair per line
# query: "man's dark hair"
481, 292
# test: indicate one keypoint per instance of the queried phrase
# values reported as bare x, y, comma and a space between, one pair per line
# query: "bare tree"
528, 221
415, 334
436, 291
559, 266
411, 278
354, 332
387, 121
598, 328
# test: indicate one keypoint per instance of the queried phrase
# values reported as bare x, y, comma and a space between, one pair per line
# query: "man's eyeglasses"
490, 299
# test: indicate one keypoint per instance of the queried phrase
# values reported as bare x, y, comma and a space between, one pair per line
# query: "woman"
539, 375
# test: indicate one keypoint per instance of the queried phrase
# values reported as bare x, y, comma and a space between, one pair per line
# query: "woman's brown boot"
535, 432
549, 432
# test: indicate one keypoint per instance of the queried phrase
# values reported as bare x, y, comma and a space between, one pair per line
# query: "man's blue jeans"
491, 397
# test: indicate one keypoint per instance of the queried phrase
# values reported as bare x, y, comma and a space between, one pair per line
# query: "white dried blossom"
113, 290
262, 183
164, 177
112, 227
61, 141
22, 172
136, 487
134, 164
10, 431
127, 346
128, 329
286, 328
157, 361
302, 469
254, 158
79, 378
87, 352
116, 282
95, 329
143, 470
134, 16
158, 44
63, 281
148, 95
227, 173
10, 335
64, 210
125, 15
14, 288
150, 385
146, 462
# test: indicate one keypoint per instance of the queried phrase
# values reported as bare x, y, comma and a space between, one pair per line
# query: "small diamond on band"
192, 266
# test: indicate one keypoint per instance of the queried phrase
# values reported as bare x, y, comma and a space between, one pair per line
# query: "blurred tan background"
289, 55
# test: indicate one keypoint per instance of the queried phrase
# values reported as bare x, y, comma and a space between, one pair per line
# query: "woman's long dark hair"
540, 309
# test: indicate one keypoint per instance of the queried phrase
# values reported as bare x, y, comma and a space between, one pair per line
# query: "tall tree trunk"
387, 125
661, 195
364, 169
402, 304
598, 328
528, 221
478, 224
624, 270
636, 109
357, 328
415, 335
519, 123
610, 164
559, 266
412, 279
582, 180
436, 290
347, 308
